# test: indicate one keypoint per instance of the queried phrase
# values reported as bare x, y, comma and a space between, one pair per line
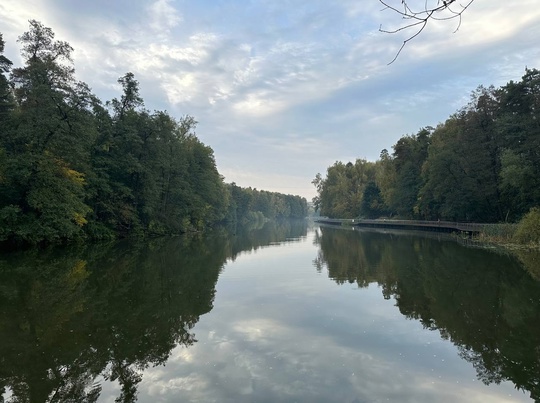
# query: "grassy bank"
523, 235
521, 240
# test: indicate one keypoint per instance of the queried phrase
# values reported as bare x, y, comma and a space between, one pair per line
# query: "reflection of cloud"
190, 384
261, 363
278, 335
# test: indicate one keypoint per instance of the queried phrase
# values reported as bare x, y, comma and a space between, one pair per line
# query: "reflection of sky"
281, 332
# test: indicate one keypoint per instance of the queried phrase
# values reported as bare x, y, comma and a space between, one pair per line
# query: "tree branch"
442, 10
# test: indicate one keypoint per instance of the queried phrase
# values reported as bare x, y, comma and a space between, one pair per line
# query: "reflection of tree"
348, 261
250, 237
67, 319
483, 302
530, 260
70, 316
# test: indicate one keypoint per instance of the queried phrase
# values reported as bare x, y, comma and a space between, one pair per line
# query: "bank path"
437, 226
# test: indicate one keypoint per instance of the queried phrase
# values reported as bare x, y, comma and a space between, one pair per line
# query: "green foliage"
409, 155
372, 202
71, 166
482, 164
255, 216
528, 229
502, 233
99, 231
341, 192
247, 204
45, 144
461, 173
6, 97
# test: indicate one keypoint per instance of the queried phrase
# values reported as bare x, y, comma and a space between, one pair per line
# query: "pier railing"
442, 226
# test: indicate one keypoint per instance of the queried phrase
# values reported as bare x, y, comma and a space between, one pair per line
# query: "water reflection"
71, 317
256, 235
483, 302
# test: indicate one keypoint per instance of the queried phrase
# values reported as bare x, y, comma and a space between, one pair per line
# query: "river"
285, 312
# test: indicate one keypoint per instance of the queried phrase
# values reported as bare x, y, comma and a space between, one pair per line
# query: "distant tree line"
248, 204
482, 164
72, 166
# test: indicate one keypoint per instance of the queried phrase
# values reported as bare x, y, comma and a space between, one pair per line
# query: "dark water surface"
283, 313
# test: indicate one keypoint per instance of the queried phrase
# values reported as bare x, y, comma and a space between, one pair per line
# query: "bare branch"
442, 10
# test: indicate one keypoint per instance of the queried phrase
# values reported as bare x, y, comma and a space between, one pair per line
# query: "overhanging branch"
417, 19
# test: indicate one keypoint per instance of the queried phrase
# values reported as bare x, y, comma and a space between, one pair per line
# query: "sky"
283, 89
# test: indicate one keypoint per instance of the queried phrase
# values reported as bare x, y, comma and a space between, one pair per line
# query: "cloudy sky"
283, 89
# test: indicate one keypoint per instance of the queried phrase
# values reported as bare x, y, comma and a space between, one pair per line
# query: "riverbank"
525, 235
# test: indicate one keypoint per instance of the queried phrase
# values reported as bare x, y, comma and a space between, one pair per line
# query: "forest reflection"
486, 303
70, 317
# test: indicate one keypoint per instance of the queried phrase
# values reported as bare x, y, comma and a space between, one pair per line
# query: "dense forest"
482, 164
72, 166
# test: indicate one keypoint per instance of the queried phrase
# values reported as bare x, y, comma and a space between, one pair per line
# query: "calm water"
283, 313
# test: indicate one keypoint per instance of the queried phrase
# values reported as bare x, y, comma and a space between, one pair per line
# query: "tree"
130, 99
46, 144
71, 166
6, 98
207, 198
386, 178
409, 155
518, 127
372, 202
340, 193
482, 164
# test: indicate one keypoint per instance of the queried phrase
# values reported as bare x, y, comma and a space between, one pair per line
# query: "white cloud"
163, 16
265, 69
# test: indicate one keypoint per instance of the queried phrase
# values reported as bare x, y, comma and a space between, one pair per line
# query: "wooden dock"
436, 226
